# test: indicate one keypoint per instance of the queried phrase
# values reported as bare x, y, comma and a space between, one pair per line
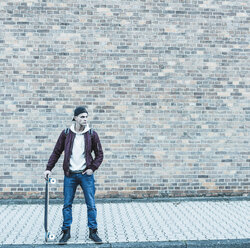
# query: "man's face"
82, 119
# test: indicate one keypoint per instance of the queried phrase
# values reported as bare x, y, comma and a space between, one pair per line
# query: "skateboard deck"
48, 236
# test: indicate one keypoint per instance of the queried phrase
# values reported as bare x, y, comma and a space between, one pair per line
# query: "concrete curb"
126, 200
234, 243
239, 243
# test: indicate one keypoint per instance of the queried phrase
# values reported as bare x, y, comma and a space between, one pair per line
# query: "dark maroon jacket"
65, 143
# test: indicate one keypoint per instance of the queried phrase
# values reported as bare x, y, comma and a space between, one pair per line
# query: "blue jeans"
87, 184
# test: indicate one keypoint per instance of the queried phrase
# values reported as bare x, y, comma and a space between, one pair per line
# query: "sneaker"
65, 237
94, 236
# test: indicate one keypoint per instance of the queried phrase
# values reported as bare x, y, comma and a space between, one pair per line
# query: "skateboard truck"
48, 236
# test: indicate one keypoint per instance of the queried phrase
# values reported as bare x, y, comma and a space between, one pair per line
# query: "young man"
77, 143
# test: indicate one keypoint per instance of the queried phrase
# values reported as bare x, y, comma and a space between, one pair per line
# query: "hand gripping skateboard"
48, 236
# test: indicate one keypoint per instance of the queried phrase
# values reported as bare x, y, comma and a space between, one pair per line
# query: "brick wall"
166, 84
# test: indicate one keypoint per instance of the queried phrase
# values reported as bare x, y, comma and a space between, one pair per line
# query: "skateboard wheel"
51, 236
52, 180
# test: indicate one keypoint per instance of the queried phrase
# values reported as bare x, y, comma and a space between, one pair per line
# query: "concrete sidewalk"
182, 222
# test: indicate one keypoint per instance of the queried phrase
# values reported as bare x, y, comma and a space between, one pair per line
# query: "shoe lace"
62, 232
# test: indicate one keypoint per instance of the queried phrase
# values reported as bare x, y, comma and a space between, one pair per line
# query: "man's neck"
79, 128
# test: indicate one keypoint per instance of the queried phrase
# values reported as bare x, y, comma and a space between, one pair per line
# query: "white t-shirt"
77, 159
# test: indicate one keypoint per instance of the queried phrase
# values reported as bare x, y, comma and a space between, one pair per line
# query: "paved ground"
145, 223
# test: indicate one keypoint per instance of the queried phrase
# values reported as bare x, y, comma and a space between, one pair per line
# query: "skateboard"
48, 236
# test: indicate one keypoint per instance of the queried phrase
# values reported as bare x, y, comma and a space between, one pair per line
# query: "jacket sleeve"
97, 147
58, 149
